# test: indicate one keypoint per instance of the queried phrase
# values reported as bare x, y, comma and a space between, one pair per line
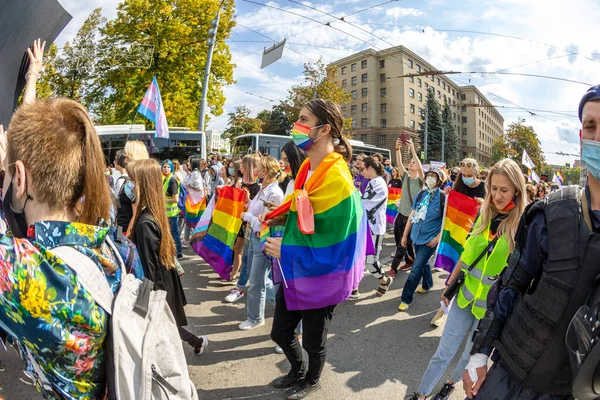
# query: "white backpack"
144, 354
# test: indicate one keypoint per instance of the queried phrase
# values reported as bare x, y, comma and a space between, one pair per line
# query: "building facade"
385, 104
215, 141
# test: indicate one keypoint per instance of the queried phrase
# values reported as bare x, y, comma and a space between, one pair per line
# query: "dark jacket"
147, 238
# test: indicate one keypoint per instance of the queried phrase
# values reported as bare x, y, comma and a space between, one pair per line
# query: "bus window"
272, 145
243, 145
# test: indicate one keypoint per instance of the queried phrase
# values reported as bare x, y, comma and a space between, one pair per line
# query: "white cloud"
399, 12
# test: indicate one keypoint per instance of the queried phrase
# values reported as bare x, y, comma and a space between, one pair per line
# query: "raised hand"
36, 57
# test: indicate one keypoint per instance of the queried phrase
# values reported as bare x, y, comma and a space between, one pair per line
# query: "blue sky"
548, 37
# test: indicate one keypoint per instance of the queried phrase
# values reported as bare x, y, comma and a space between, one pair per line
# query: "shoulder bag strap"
479, 257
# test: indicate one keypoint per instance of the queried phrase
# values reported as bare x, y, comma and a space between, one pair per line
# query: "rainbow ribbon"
394, 196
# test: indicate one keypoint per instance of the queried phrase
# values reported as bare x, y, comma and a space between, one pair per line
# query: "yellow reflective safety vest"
480, 279
172, 208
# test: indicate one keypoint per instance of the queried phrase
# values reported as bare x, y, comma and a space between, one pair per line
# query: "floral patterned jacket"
59, 328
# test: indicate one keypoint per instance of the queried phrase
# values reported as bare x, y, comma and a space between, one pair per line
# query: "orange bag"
306, 217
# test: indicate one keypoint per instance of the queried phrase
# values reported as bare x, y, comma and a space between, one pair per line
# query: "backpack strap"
88, 275
563, 217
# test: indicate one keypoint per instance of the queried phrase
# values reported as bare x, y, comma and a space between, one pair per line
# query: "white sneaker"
247, 325
278, 350
234, 295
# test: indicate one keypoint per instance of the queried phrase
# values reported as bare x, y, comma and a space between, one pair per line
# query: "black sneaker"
288, 380
414, 396
203, 345
302, 390
444, 394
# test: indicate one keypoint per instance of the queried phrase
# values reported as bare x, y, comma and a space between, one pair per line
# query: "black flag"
21, 22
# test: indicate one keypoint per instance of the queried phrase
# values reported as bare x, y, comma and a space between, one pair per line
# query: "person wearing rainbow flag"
319, 266
498, 220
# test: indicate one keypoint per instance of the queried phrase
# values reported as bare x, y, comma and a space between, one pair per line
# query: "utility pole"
425, 136
212, 37
443, 159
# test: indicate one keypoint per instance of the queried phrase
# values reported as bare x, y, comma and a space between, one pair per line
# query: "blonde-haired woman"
136, 150
498, 221
269, 195
152, 237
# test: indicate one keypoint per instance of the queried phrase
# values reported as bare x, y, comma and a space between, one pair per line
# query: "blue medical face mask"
468, 181
590, 154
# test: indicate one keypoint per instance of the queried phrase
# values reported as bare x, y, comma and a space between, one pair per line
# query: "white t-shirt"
375, 196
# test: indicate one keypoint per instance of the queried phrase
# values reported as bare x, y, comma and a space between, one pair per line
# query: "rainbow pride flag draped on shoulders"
394, 195
321, 269
460, 215
216, 245
195, 204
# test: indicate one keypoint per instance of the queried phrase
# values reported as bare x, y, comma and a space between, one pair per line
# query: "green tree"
434, 128
240, 123
511, 145
451, 140
178, 31
275, 121
316, 76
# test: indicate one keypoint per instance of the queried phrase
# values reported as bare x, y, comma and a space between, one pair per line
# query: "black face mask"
16, 220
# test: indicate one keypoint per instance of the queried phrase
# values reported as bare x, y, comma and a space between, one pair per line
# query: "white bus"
272, 144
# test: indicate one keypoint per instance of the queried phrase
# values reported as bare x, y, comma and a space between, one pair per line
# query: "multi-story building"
384, 104
215, 141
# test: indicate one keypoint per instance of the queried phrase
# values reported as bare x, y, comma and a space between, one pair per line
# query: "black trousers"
402, 252
315, 324
500, 385
189, 337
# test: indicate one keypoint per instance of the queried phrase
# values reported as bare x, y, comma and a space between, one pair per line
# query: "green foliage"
240, 123
511, 145
178, 30
451, 140
434, 129
275, 121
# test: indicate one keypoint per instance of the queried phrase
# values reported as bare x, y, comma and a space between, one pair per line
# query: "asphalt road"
374, 351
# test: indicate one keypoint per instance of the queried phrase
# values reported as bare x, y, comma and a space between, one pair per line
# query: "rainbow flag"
321, 269
216, 248
394, 195
266, 231
193, 211
460, 214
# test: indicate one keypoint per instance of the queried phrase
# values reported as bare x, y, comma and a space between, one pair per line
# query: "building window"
363, 107
418, 68
364, 77
353, 67
343, 109
452, 92
419, 96
344, 83
464, 142
353, 108
382, 92
438, 80
426, 86
353, 123
420, 112
412, 108
412, 124
411, 92
439, 93
363, 137
383, 123
411, 79
419, 82
382, 139
381, 63
353, 93
363, 123
410, 63
464, 120
463, 97
383, 107
444, 85
354, 80
463, 108
420, 125
364, 92
445, 99
432, 78
343, 70
382, 78
464, 132
363, 64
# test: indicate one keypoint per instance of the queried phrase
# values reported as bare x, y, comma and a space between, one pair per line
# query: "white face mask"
431, 182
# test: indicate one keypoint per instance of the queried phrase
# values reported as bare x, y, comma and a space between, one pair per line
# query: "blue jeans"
461, 322
175, 233
420, 269
259, 282
245, 267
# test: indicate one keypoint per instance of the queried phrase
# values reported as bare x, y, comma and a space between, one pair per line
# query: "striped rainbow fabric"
216, 247
321, 269
267, 231
300, 132
193, 211
394, 195
460, 215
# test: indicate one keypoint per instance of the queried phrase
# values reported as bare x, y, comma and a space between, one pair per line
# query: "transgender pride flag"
152, 108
